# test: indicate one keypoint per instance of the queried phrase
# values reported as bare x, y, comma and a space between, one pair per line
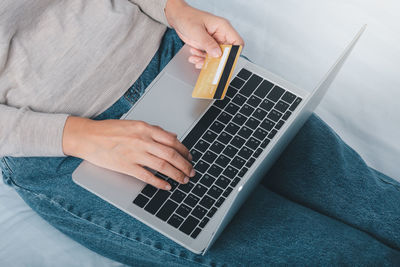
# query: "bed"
297, 40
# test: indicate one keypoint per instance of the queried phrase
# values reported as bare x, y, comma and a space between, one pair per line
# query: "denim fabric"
319, 204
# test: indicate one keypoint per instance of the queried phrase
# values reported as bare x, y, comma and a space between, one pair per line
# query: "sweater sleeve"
24, 132
154, 9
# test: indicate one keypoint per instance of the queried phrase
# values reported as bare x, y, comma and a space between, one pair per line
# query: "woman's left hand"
200, 30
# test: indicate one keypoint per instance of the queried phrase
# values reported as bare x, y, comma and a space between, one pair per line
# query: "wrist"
75, 130
172, 9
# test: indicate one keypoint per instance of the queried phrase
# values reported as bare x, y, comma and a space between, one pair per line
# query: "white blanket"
297, 40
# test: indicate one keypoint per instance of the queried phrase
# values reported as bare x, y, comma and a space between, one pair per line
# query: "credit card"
216, 73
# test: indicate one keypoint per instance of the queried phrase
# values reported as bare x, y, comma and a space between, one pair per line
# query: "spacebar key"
201, 127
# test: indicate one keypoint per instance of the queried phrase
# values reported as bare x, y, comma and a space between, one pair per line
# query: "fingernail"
186, 180
192, 173
190, 157
216, 52
168, 187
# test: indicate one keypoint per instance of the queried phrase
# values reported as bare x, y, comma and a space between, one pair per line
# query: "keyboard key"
224, 138
178, 196
191, 200
196, 232
274, 115
201, 166
288, 97
199, 190
217, 126
207, 180
175, 221
215, 170
200, 127
215, 192
222, 182
224, 117
227, 191
272, 134
204, 222
207, 202
242, 172
232, 128
210, 136
253, 101
260, 134
267, 104
155, 203
219, 202
251, 85
239, 99
149, 190
295, 104
238, 162
196, 155
141, 200
246, 110
222, 103
287, 115
212, 211
230, 151
245, 152
252, 123
260, 114
281, 106
230, 172
202, 145
237, 83
199, 212
258, 152
183, 210
186, 187
265, 143
245, 132
232, 108
196, 177
166, 210
244, 74
250, 162
217, 147
267, 124
231, 92
189, 224
253, 143
238, 141
235, 182
223, 161
174, 184
209, 156
275, 93
279, 124
263, 89
239, 119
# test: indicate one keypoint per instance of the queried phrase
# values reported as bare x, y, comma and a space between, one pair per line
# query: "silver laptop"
233, 142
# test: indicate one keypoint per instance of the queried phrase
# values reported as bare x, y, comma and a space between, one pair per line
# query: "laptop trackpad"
169, 104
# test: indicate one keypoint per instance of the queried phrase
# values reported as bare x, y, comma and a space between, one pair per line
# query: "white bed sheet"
297, 40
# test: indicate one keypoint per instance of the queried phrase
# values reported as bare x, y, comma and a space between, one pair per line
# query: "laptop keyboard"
224, 144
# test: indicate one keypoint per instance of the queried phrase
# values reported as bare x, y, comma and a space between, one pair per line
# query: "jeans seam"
55, 203
6, 165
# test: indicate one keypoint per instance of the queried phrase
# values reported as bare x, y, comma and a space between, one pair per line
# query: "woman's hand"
201, 30
128, 147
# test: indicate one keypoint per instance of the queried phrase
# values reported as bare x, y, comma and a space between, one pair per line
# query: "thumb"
210, 45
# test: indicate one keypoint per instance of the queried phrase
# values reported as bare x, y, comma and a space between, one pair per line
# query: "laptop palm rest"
168, 103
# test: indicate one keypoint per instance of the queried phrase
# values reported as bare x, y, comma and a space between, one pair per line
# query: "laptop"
233, 141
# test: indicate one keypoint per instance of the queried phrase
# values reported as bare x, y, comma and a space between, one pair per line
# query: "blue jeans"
319, 204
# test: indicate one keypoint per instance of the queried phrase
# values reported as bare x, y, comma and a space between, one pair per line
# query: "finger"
164, 167
209, 44
199, 65
197, 52
232, 36
146, 176
173, 157
195, 59
163, 137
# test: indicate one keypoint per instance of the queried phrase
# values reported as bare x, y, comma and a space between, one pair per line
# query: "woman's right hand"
127, 147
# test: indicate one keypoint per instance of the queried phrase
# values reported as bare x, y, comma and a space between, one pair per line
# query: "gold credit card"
216, 73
